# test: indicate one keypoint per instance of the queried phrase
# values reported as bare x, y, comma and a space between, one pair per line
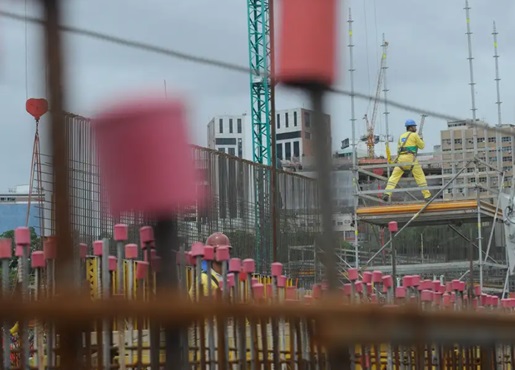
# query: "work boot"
386, 197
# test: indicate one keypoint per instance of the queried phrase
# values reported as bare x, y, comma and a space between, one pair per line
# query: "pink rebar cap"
223, 253
258, 291
209, 253
367, 277
249, 265
112, 263
150, 133
387, 282
22, 235
5, 248
277, 269
98, 247
197, 249
281, 281
37, 259
121, 232
146, 235
141, 269
131, 251
353, 274
50, 248
234, 265
308, 42
83, 250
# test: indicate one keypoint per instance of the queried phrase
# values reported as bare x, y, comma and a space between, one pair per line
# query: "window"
221, 126
457, 141
287, 151
238, 124
286, 124
480, 139
279, 150
278, 121
307, 121
232, 151
230, 126
240, 148
482, 179
506, 149
470, 170
295, 119
506, 139
493, 159
296, 149
507, 159
221, 150
491, 140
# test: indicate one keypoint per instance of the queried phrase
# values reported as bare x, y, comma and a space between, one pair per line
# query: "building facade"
227, 134
494, 149
293, 134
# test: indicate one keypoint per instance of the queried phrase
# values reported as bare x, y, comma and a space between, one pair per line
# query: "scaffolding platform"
436, 213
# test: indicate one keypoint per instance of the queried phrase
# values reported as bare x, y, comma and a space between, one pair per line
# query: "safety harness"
402, 150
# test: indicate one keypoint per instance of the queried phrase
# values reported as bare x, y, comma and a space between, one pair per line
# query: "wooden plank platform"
437, 213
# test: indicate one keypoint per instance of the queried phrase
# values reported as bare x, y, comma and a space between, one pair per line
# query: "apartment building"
494, 149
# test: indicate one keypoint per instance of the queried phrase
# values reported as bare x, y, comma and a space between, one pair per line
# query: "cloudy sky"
428, 64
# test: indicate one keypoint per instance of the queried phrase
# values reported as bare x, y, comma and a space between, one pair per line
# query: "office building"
293, 134
495, 149
227, 134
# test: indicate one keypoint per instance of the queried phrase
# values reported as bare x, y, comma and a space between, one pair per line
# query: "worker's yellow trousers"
397, 173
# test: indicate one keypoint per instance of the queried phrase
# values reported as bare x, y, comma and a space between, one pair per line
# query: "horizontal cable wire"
238, 68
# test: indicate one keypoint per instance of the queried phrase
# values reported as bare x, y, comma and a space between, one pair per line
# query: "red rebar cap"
446, 299
141, 269
234, 265
22, 235
230, 280
317, 291
308, 42
254, 281
112, 263
121, 232
50, 248
387, 282
400, 292
359, 286
353, 274
436, 285
347, 289
291, 292
425, 285
83, 250
20, 250
222, 253
197, 249
377, 276
150, 133
249, 265
407, 281
367, 277
455, 284
277, 269
258, 291
437, 297
146, 235
393, 227
209, 253
5, 248
415, 280
98, 247
131, 251
269, 290
426, 296
281, 281
37, 259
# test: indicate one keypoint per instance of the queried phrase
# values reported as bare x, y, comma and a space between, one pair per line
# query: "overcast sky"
427, 61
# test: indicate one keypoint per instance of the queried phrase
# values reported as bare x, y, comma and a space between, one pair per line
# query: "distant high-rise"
227, 134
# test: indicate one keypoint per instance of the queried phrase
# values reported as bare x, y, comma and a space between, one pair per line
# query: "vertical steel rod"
69, 336
355, 177
385, 93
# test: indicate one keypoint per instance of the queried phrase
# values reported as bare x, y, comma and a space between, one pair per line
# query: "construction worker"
407, 148
214, 240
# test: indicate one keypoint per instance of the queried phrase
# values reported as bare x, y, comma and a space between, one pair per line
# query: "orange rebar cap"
308, 42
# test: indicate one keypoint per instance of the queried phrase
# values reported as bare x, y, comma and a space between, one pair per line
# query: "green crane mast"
260, 90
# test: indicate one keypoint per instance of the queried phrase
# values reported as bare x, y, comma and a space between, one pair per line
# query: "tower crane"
370, 138
260, 91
